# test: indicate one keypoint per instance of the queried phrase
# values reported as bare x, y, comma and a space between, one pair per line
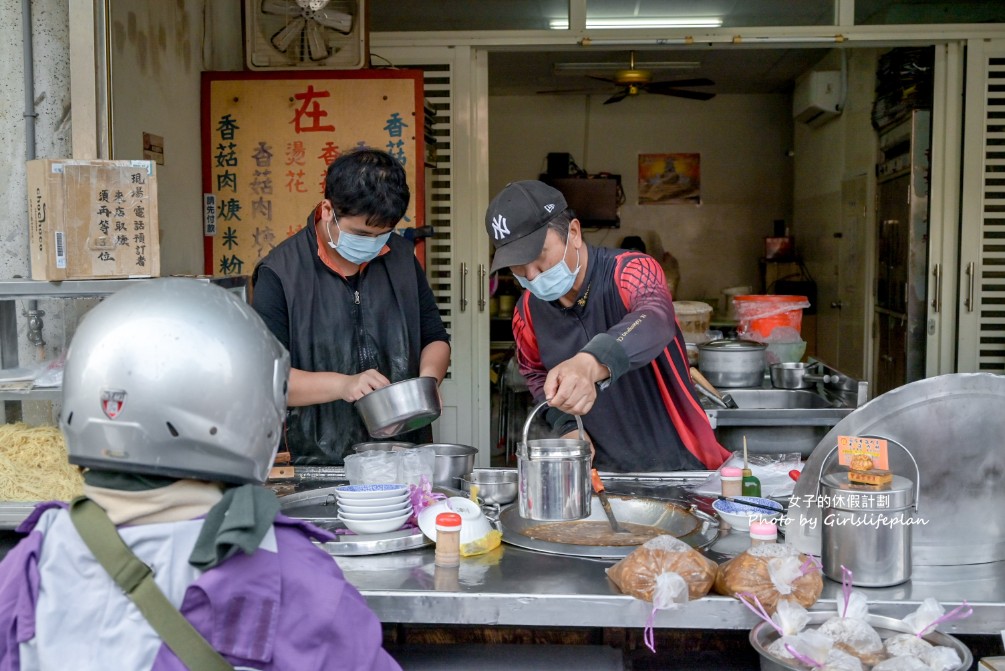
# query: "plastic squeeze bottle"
751, 485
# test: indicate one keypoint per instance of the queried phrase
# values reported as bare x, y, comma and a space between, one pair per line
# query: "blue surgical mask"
553, 283
357, 249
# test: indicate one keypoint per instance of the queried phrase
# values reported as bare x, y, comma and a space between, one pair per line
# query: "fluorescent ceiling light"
699, 22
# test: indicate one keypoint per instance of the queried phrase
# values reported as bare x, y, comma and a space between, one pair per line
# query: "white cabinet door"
457, 255
981, 312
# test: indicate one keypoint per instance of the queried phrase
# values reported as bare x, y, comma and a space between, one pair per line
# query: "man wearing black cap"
594, 318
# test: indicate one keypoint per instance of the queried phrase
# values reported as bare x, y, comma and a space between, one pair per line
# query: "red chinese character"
311, 109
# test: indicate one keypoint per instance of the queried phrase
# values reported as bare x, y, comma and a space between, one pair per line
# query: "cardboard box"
92, 219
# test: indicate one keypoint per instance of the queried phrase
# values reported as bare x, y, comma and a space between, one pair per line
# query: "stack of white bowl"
373, 509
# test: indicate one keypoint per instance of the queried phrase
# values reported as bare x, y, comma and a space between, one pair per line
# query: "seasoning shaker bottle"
731, 481
763, 533
448, 540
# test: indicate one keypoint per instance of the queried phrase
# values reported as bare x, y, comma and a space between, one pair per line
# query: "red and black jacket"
649, 418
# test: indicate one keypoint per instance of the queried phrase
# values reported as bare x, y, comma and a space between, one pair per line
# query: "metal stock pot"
732, 363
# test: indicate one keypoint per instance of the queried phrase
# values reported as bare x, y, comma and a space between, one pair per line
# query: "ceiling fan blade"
680, 93
333, 18
316, 45
684, 82
284, 36
603, 79
559, 92
617, 97
281, 8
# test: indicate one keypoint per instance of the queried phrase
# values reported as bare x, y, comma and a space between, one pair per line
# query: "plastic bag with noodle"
902, 663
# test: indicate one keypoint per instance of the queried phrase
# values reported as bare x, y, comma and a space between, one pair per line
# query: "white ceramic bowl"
347, 507
398, 499
348, 514
370, 491
474, 524
376, 526
739, 516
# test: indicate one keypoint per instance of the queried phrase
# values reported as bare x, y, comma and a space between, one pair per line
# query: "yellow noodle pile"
33, 465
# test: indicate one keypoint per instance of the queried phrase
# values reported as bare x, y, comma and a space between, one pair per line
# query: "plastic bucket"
694, 318
760, 315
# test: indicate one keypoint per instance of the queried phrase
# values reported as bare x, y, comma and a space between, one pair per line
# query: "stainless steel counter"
517, 587
520, 587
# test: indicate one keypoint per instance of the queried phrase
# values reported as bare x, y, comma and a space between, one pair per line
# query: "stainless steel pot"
554, 476
763, 635
494, 486
798, 375
451, 462
867, 529
400, 407
732, 363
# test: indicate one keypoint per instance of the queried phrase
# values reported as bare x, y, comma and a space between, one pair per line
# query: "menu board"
268, 138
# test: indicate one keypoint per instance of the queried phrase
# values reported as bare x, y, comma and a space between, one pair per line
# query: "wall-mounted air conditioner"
817, 97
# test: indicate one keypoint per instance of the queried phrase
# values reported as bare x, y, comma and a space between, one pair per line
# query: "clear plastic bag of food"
906, 645
374, 467
639, 573
818, 651
941, 658
666, 572
902, 663
849, 627
416, 463
771, 572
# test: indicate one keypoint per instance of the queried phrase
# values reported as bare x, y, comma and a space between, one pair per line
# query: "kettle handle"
890, 441
526, 424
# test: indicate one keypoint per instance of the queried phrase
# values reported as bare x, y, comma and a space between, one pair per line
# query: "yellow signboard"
268, 139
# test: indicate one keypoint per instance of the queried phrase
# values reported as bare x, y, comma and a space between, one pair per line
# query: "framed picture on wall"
668, 179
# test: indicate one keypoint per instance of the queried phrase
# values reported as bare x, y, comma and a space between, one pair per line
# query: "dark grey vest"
348, 326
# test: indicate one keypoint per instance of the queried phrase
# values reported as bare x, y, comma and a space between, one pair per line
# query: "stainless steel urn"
553, 476
867, 529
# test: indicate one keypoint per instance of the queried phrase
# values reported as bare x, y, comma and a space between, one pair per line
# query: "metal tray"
12, 513
375, 544
319, 507
696, 528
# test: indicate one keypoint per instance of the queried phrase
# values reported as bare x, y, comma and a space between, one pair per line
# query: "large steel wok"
687, 523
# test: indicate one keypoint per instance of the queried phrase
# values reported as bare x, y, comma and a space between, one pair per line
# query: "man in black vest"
351, 303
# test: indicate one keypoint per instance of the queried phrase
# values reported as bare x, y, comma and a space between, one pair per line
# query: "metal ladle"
598, 487
707, 390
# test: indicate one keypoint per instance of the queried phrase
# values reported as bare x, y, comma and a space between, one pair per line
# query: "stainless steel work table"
517, 587
513, 586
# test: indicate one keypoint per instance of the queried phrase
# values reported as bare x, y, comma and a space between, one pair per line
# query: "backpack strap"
137, 581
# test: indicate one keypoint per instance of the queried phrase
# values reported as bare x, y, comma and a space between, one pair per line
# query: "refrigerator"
902, 247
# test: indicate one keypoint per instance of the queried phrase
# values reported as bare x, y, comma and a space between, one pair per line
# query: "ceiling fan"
633, 81
288, 34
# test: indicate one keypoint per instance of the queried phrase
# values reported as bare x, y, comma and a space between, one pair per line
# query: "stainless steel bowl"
762, 636
495, 486
451, 462
383, 447
400, 407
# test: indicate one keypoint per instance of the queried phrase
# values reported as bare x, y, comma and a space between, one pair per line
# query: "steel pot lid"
840, 494
733, 346
553, 448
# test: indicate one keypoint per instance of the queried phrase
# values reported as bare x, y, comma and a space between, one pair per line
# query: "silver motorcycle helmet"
175, 377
